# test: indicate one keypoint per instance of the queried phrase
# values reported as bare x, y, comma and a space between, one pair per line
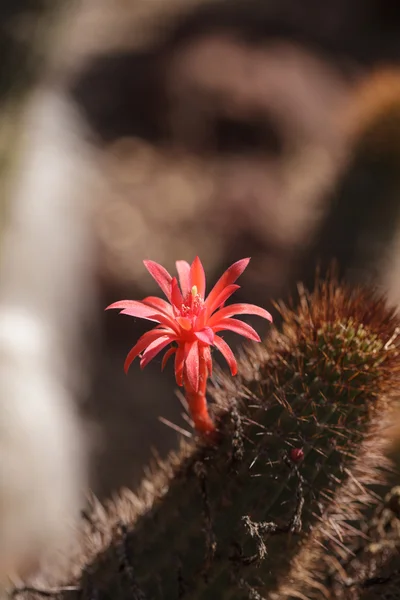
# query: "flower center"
192, 304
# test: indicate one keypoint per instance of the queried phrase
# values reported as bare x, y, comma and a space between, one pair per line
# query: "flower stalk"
196, 399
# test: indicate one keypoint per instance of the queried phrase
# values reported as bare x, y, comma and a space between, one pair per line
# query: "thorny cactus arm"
227, 520
360, 227
369, 567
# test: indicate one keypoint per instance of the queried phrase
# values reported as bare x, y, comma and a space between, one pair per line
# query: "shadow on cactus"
268, 510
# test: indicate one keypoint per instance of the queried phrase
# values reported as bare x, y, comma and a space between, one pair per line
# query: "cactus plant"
360, 224
302, 426
28, 29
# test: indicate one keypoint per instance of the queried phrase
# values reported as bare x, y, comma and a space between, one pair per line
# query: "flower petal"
166, 357
207, 358
238, 327
192, 364
160, 275
229, 277
145, 340
159, 304
158, 318
153, 349
198, 277
179, 364
176, 296
134, 308
223, 297
201, 319
239, 309
205, 335
184, 322
183, 269
227, 353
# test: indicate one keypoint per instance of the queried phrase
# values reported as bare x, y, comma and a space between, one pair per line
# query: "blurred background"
166, 129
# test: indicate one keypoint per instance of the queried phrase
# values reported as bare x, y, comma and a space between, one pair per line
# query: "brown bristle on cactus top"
302, 429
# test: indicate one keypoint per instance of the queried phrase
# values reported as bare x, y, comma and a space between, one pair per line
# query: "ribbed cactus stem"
225, 520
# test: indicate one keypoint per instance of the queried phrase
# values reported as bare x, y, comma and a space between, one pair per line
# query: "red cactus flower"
192, 322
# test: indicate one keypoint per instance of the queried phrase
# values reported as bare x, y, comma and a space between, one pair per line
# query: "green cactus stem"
302, 425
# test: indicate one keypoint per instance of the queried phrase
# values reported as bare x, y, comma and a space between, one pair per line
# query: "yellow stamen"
194, 291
